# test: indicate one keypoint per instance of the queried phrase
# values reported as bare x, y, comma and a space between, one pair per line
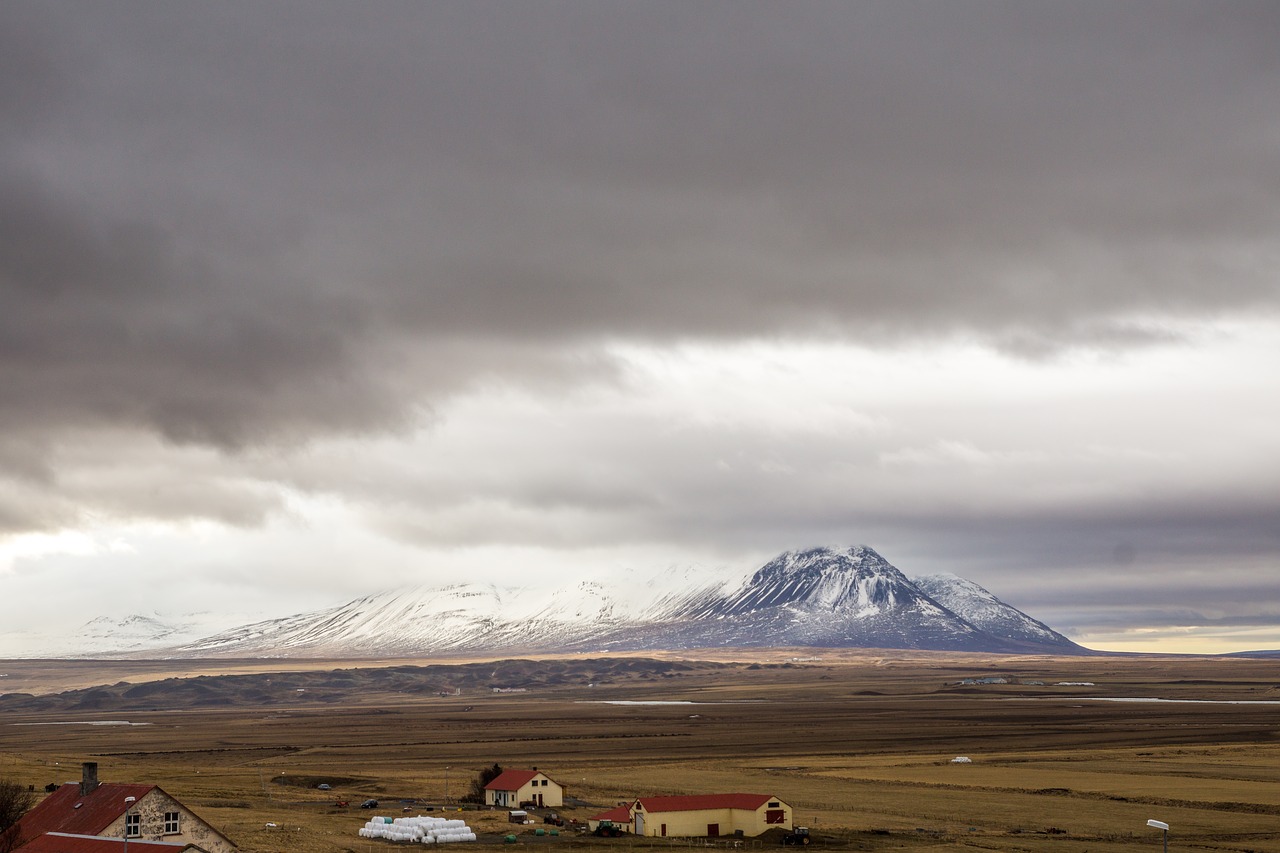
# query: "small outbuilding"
710, 815
618, 815
516, 788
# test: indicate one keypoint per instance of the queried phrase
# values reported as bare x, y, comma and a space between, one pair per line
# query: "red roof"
617, 814
698, 802
62, 842
66, 811
513, 780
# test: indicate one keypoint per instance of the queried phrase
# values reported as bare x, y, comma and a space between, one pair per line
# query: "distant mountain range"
821, 597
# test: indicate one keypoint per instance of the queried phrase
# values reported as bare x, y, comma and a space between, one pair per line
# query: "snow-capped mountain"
455, 618
986, 612
817, 597
820, 597
123, 635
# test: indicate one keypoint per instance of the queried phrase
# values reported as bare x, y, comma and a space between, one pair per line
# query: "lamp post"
446, 785
1164, 828
128, 805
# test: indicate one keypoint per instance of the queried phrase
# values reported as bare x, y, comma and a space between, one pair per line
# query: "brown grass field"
858, 742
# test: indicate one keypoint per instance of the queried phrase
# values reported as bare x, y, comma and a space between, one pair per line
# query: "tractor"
800, 835
608, 829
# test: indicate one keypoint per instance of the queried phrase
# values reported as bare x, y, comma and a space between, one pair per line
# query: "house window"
172, 823
132, 824
775, 805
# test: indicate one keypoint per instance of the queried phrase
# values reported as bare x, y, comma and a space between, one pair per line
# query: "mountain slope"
460, 617
989, 613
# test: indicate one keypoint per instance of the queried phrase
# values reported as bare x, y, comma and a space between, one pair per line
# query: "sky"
301, 301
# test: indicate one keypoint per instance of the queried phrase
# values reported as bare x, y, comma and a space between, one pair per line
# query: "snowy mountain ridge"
819, 597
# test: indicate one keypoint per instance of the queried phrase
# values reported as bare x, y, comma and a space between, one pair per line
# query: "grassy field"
860, 743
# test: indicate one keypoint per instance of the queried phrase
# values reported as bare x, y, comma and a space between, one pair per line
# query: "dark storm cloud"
109, 322
1036, 174
246, 225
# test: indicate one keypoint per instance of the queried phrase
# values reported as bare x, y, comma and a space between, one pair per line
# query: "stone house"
129, 812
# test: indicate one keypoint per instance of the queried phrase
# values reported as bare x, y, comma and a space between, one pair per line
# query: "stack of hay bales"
426, 830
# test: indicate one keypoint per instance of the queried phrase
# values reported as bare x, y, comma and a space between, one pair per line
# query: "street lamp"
446, 786
128, 804
1163, 827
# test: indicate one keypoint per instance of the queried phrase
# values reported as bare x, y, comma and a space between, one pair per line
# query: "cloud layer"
986, 286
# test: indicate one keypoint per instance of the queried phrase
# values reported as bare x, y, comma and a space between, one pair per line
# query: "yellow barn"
709, 815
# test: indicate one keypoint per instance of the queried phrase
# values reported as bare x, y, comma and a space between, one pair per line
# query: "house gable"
90, 808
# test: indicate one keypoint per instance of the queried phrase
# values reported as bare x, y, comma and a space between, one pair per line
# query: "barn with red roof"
709, 815
110, 810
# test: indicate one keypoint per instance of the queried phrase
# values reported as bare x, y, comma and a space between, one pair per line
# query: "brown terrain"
859, 742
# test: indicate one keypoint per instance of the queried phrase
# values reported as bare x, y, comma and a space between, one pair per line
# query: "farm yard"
1070, 755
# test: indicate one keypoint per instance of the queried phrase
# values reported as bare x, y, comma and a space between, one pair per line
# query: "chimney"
89, 780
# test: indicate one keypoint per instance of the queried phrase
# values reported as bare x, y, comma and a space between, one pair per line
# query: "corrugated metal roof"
698, 802
513, 780
62, 842
66, 811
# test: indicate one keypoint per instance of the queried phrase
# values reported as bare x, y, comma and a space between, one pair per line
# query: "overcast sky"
303, 300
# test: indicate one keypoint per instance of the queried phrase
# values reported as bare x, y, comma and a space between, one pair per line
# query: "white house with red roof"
710, 815
108, 810
515, 788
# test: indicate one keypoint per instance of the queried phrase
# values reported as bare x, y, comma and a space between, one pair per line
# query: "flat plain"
1067, 754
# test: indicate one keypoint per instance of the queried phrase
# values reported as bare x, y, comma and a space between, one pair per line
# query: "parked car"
369, 804
323, 786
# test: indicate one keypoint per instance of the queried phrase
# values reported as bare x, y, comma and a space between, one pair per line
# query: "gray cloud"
234, 237
249, 204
